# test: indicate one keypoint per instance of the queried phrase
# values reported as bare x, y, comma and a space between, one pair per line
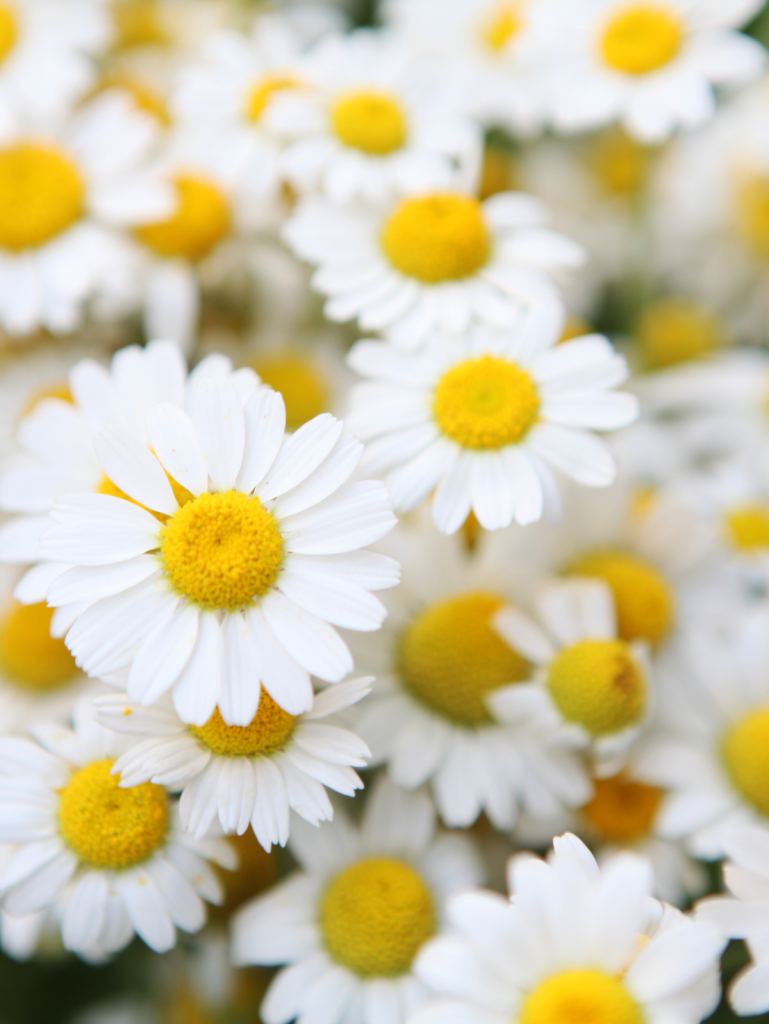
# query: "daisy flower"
652, 65
575, 942
239, 582
438, 259
589, 685
68, 194
437, 663
366, 126
243, 774
114, 860
481, 419
352, 920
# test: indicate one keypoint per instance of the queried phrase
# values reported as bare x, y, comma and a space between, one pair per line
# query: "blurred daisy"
236, 580
247, 774
587, 943
351, 922
112, 859
650, 65
483, 418
438, 259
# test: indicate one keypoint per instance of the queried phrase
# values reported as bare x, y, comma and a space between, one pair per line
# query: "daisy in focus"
482, 419
112, 860
247, 774
574, 942
351, 922
236, 580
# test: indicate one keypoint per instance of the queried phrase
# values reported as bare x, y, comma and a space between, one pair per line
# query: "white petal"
239, 697
313, 643
85, 584
300, 454
197, 689
163, 655
146, 910
172, 437
221, 429
265, 417
132, 467
286, 681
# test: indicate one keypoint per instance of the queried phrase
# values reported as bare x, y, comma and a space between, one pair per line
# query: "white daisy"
589, 685
484, 417
245, 775
112, 859
350, 923
575, 942
651, 64
436, 260
239, 582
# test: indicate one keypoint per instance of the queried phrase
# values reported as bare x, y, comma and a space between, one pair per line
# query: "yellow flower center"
622, 811
29, 656
201, 221
298, 380
498, 172
503, 24
745, 754
260, 95
451, 658
581, 997
375, 915
266, 733
440, 237
642, 38
138, 23
618, 162
372, 122
222, 550
753, 214
8, 31
643, 598
41, 195
598, 685
675, 330
748, 527
109, 827
485, 403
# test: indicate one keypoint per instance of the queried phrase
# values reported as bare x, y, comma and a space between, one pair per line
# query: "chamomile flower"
438, 259
575, 942
236, 580
481, 419
113, 860
589, 684
351, 922
651, 65
247, 774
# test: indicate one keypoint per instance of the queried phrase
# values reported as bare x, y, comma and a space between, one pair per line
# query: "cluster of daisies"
384, 506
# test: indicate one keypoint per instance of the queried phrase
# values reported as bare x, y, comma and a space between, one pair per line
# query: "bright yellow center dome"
581, 997
675, 330
297, 378
451, 658
375, 915
641, 38
263, 91
373, 122
485, 403
753, 214
618, 162
201, 221
747, 527
41, 195
622, 811
745, 754
505, 22
29, 656
266, 733
598, 685
435, 238
109, 827
138, 23
8, 31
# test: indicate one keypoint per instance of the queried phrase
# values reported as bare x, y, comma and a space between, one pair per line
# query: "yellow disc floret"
375, 915
581, 997
642, 38
138, 23
41, 195
753, 214
598, 684
745, 754
8, 31
29, 656
451, 658
110, 827
643, 598
618, 162
201, 221
440, 237
298, 380
675, 330
504, 23
373, 122
622, 811
263, 91
222, 550
747, 527
266, 733
485, 403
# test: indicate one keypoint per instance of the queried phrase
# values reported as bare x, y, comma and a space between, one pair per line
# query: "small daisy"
366, 127
113, 860
244, 774
237, 583
652, 65
438, 259
575, 942
351, 922
590, 685
483, 418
